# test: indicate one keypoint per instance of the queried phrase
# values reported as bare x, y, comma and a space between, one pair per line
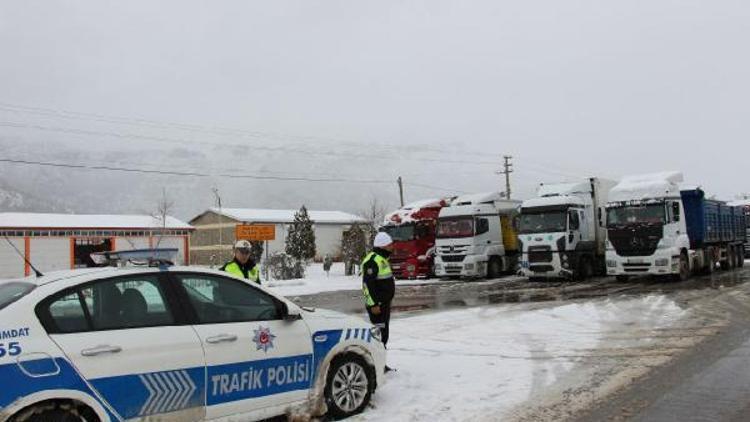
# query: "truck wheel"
732, 258
587, 268
710, 263
622, 278
684, 273
349, 386
725, 263
494, 268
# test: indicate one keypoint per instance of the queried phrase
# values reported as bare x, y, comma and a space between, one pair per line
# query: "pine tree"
353, 247
300, 241
256, 250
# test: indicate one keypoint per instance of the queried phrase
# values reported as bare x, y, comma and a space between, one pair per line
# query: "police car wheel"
53, 415
349, 386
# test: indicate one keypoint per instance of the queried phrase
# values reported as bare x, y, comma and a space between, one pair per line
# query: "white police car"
175, 344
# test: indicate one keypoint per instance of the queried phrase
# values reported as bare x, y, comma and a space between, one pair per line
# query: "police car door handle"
100, 350
221, 338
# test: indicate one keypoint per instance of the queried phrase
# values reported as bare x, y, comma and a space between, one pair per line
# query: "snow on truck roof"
256, 215
561, 189
87, 221
647, 186
406, 214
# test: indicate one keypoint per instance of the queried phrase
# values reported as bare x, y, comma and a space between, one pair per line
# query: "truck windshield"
12, 291
400, 233
543, 222
636, 214
455, 227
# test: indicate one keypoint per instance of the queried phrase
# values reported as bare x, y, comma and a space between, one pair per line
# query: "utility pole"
221, 229
401, 190
507, 170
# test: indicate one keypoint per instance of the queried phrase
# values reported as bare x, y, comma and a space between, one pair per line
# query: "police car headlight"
375, 332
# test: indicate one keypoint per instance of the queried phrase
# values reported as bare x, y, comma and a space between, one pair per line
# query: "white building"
64, 241
215, 231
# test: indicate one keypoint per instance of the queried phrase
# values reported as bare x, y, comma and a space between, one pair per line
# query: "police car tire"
334, 411
54, 415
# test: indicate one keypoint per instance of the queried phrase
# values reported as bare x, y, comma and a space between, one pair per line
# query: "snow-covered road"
485, 363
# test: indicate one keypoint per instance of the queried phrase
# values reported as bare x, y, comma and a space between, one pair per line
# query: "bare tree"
374, 214
163, 209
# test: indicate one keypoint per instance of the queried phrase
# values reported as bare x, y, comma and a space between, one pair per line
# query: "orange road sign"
255, 232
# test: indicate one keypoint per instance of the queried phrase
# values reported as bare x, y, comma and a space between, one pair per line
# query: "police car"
175, 344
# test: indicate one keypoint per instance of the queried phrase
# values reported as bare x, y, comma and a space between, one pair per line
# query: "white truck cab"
476, 237
562, 230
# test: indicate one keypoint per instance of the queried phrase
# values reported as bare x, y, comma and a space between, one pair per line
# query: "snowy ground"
481, 363
316, 281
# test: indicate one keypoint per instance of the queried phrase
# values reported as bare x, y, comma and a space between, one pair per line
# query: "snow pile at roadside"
479, 363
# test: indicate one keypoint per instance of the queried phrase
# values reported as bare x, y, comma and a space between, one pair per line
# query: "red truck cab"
412, 229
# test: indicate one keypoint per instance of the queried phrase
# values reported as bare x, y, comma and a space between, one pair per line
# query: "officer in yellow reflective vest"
378, 285
243, 265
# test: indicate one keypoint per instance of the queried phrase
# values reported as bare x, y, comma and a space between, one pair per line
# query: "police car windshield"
12, 291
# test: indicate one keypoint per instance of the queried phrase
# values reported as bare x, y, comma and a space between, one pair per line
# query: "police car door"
257, 362
123, 336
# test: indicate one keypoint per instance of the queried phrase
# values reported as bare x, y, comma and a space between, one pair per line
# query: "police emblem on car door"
254, 357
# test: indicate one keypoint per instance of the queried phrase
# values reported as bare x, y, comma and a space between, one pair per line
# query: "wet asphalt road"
513, 289
709, 382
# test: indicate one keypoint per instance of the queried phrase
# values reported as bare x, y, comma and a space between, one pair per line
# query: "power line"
76, 115
182, 142
221, 175
187, 173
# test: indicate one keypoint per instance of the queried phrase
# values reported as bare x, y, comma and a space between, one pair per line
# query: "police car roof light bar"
150, 257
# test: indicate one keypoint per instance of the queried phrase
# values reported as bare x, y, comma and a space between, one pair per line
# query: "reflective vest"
233, 268
384, 273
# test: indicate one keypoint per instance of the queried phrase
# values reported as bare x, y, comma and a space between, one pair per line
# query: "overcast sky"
567, 87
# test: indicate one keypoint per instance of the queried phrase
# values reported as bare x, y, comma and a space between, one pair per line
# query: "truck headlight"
662, 262
438, 267
469, 266
565, 264
611, 263
375, 332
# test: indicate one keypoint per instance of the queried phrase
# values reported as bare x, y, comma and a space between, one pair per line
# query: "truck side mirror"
676, 211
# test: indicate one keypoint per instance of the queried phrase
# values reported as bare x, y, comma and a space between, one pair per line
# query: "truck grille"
452, 249
452, 258
540, 254
640, 241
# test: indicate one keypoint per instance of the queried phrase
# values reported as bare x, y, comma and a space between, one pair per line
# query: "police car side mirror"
290, 313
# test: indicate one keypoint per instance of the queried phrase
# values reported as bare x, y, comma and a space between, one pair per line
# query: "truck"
562, 232
745, 203
656, 226
477, 237
412, 228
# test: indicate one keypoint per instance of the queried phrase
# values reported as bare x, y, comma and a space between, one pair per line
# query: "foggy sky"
570, 88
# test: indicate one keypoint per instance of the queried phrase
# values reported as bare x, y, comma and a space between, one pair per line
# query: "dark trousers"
382, 321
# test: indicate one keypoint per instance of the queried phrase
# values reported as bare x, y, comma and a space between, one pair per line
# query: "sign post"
256, 233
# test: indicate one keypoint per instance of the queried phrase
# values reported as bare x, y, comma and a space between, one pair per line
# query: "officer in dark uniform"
243, 265
378, 285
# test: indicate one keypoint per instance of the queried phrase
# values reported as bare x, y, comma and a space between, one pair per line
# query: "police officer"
378, 285
243, 265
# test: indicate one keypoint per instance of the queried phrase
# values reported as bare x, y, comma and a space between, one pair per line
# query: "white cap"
382, 239
242, 244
